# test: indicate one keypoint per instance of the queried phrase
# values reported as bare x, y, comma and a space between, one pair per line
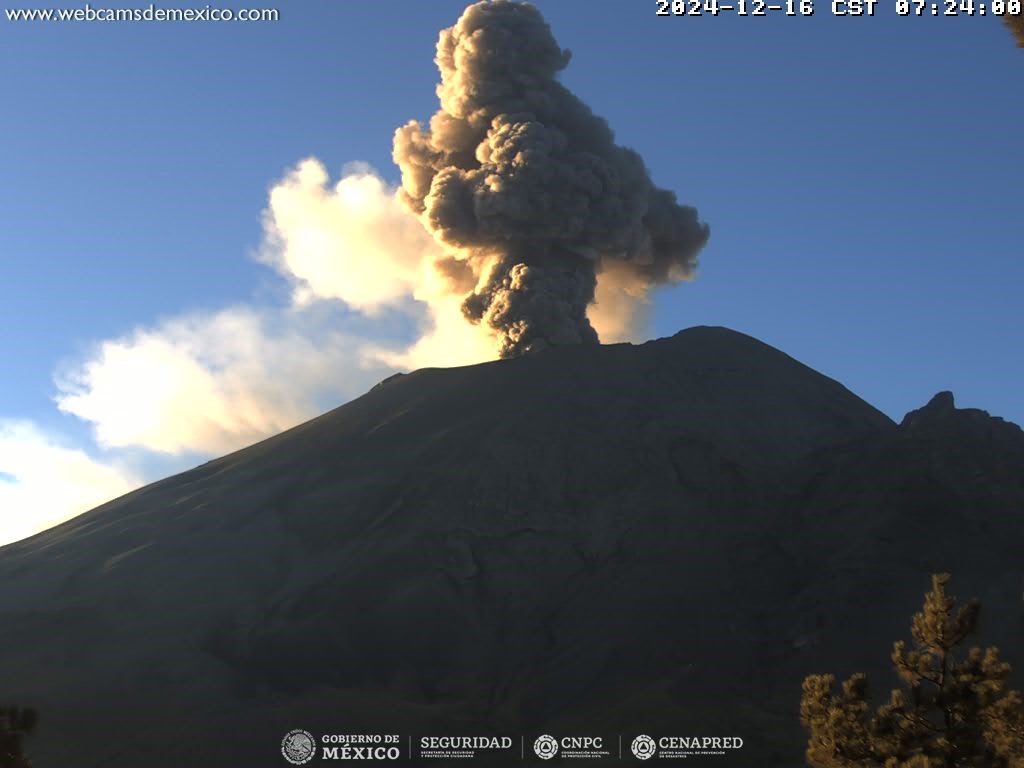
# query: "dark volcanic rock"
662, 538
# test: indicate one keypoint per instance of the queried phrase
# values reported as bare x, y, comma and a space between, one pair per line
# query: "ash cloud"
517, 212
527, 191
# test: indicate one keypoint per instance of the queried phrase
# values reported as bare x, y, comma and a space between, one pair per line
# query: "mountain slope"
659, 536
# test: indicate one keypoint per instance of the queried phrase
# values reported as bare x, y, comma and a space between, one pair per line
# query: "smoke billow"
527, 191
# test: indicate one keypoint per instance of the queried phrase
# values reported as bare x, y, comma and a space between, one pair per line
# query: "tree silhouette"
15, 724
951, 713
1016, 25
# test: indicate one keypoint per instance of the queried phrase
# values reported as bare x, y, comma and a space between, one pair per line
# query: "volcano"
662, 538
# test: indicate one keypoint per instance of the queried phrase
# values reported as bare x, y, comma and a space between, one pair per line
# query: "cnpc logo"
547, 746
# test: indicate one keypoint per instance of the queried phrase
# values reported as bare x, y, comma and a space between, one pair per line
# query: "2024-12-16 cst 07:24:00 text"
838, 7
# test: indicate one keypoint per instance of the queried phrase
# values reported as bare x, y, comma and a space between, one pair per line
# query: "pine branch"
1016, 26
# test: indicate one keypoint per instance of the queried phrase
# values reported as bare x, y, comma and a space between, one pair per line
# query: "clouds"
350, 241
355, 242
43, 482
366, 300
371, 292
212, 383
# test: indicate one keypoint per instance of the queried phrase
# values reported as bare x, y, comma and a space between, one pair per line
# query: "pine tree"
15, 724
1016, 25
951, 713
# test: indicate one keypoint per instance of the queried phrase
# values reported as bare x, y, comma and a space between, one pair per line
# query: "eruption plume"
527, 191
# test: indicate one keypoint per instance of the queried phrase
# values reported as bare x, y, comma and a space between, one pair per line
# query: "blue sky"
860, 176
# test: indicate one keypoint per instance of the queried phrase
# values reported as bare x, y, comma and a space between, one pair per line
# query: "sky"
185, 208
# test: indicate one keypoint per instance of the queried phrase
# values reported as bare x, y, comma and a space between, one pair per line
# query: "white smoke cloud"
351, 241
356, 242
43, 482
212, 383
622, 305
209, 383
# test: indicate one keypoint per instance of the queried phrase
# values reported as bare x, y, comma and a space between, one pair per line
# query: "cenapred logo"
644, 747
546, 747
298, 746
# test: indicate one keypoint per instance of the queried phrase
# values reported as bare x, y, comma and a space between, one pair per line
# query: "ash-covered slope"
660, 537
